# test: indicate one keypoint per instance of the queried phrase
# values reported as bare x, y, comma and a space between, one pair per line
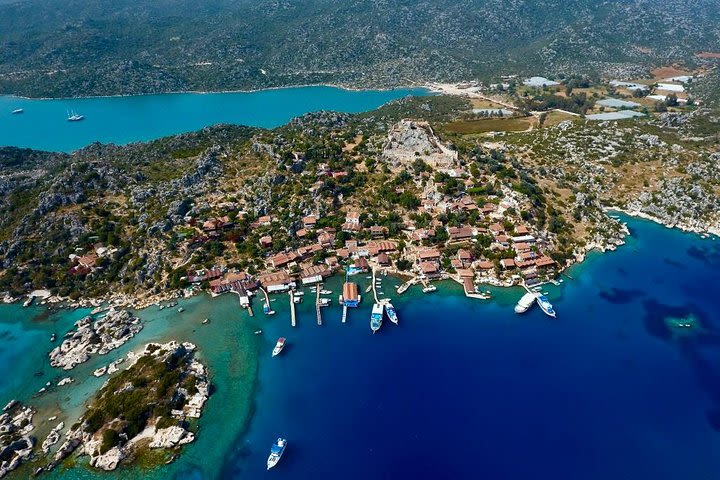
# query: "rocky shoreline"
158, 433
16, 444
94, 337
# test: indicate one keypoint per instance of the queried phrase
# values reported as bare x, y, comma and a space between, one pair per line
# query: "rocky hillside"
139, 219
133, 46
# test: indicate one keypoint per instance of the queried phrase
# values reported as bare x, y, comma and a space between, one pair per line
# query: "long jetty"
317, 303
267, 297
374, 288
292, 309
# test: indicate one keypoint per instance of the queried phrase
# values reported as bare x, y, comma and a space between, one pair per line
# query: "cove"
126, 119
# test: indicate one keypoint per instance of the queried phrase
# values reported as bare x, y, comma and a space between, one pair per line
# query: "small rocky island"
94, 336
146, 406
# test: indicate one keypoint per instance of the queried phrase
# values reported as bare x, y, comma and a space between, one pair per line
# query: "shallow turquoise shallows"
44, 126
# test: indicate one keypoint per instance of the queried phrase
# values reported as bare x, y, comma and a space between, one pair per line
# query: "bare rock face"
410, 140
171, 437
92, 337
109, 460
16, 444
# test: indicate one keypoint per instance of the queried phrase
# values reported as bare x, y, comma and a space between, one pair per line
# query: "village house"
431, 270
430, 254
266, 241
421, 234
378, 231
362, 264
233, 281
507, 263
309, 222
265, 220
352, 222
485, 265
314, 274
276, 281
202, 275
383, 259
460, 234
489, 208
464, 256
326, 239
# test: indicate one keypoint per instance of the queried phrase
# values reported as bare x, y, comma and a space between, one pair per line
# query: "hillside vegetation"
132, 46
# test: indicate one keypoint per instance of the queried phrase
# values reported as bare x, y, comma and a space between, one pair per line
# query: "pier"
267, 297
292, 309
317, 304
374, 288
344, 315
244, 300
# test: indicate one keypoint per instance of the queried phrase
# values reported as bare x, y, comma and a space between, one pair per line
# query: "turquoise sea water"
461, 389
121, 120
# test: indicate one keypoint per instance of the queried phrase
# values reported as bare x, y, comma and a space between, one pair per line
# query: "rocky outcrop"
171, 437
412, 140
185, 398
94, 337
16, 444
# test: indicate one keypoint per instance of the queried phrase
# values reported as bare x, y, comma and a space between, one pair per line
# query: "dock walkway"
344, 314
292, 309
374, 288
317, 304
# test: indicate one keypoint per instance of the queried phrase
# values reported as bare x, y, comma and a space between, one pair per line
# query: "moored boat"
391, 313
17, 111
545, 305
276, 452
376, 317
278, 346
429, 289
525, 303
75, 117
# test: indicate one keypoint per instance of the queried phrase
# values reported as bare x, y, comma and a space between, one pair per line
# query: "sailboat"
74, 117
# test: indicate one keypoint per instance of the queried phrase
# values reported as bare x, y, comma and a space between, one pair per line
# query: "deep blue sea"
468, 389
461, 389
122, 120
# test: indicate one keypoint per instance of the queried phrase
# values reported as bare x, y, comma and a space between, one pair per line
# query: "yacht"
429, 289
525, 303
545, 305
278, 347
391, 313
376, 317
17, 111
276, 451
75, 117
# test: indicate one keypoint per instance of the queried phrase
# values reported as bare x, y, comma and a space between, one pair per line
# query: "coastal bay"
135, 118
571, 397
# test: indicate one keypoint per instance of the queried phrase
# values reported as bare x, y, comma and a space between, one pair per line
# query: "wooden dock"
267, 297
374, 288
292, 309
317, 304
